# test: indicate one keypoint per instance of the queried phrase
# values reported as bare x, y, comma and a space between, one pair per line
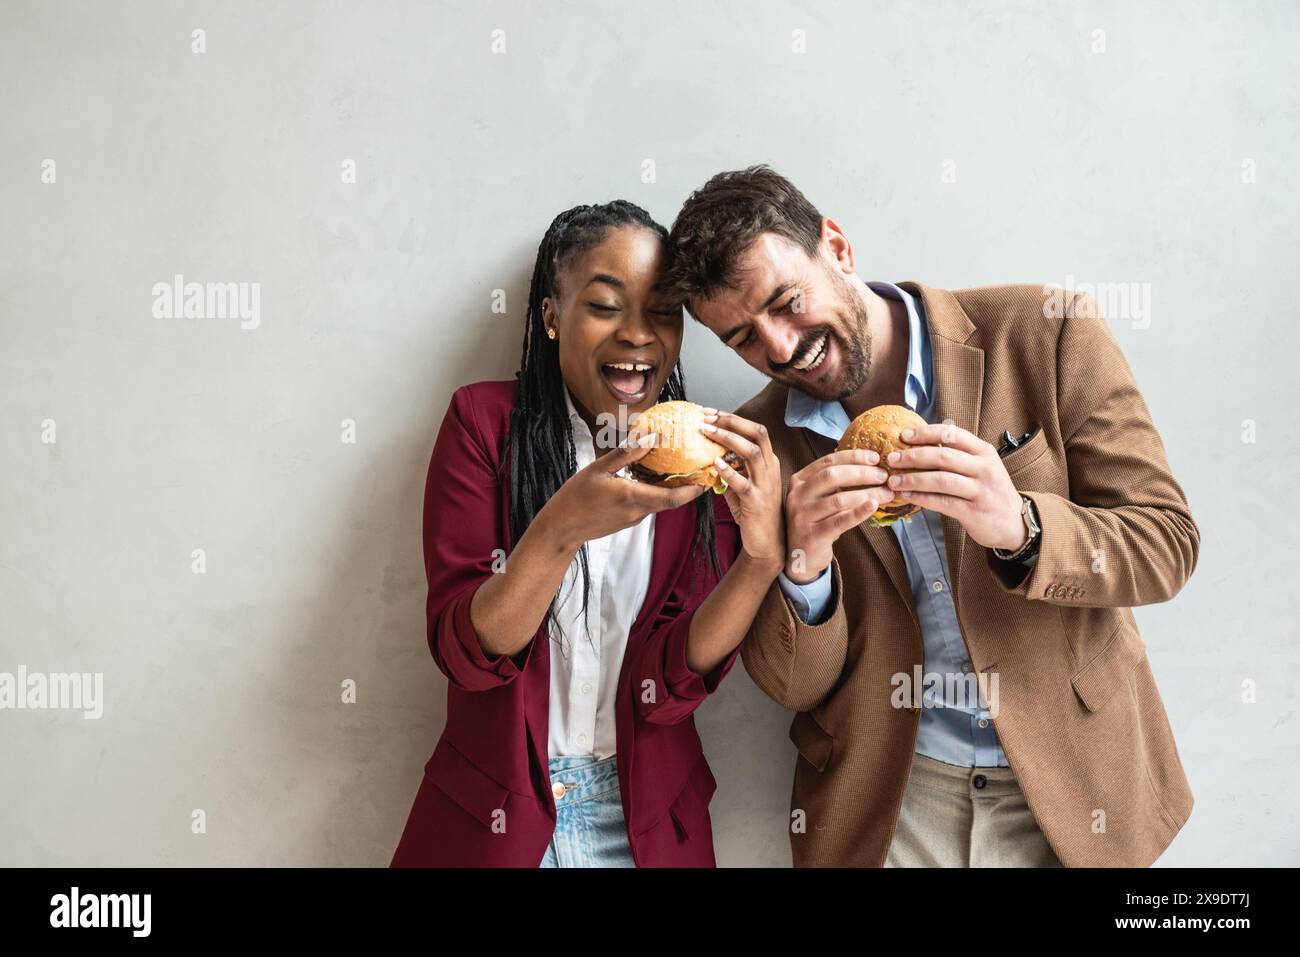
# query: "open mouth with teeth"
815, 357
628, 382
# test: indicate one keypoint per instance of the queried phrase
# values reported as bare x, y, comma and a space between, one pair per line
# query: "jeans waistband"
575, 779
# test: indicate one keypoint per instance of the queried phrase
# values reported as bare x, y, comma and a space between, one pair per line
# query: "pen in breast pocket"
1010, 443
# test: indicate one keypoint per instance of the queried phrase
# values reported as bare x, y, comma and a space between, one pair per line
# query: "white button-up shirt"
585, 662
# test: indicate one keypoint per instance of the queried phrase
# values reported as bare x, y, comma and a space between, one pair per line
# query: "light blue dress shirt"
952, 729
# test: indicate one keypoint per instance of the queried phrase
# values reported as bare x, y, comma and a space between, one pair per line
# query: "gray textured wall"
958, 143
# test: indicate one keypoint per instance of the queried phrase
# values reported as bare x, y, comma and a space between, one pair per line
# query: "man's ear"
836, 245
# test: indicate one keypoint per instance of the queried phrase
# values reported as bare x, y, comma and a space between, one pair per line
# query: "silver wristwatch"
1030, 516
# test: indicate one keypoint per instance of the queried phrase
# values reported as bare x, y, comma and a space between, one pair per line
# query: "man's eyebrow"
607, 279
780, 291
777, 293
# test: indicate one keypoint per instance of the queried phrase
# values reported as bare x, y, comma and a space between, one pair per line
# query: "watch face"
1031, 516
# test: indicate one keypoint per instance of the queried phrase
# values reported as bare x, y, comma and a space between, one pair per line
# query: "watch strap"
1029, 515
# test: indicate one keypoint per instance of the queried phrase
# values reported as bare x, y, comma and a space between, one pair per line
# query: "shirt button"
586, 688
557, 789
582, 739
984, 722
979, 781
936, 586
965, 666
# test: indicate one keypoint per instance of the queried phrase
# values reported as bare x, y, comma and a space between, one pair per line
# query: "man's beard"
854, 347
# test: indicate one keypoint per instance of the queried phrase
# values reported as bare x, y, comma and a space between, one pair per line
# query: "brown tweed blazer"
1079, 716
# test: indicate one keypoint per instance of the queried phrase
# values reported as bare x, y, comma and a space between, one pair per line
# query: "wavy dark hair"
721, 219
539, 455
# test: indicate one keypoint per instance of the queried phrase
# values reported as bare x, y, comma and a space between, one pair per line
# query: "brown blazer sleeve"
797, 665
1125, 535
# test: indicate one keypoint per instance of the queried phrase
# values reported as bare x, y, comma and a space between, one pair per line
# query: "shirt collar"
575, 419
917, 387
829, 418
825, 418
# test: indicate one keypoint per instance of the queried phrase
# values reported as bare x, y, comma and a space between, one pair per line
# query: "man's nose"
780, 341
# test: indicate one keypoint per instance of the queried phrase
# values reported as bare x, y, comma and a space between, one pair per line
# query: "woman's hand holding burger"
754, 490
733, 456
593, 502
597, 501
674, 452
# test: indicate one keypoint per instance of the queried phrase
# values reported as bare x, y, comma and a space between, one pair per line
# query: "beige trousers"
966, 817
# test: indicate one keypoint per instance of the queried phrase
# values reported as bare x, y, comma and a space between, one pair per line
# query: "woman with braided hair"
580, 617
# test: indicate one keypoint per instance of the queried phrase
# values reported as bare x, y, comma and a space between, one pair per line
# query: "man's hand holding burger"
960, 475
826, 498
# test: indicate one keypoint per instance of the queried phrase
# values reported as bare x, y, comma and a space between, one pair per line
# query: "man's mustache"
805, 348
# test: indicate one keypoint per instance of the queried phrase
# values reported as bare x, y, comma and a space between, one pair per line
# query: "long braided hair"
539, 450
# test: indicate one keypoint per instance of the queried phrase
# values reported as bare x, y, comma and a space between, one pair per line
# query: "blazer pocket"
461, 780
1017, 460
813, 742
688, 804
692, 805
1110, 669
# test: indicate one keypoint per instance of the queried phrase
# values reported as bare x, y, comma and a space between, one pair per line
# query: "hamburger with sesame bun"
879, 429
682, 455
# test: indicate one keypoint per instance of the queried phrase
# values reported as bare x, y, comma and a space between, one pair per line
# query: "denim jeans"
589, 829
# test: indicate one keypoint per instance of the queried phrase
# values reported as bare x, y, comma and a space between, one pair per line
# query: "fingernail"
648, 440
708, 428
709, 410
894, 480
873, 458
907, 433
894, 457
721, 463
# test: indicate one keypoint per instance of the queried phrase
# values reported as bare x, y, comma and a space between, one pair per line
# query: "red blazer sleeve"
462, 539
675, 690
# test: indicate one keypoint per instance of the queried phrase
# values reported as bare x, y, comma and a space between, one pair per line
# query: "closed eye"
788, 305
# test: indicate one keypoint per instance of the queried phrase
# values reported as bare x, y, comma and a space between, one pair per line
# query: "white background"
176, 434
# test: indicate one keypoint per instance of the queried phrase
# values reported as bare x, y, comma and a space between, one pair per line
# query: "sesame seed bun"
683, 455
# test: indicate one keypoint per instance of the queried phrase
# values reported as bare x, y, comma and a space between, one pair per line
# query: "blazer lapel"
959, 385
673, 529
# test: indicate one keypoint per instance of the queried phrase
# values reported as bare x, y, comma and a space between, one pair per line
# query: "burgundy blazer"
485, 799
